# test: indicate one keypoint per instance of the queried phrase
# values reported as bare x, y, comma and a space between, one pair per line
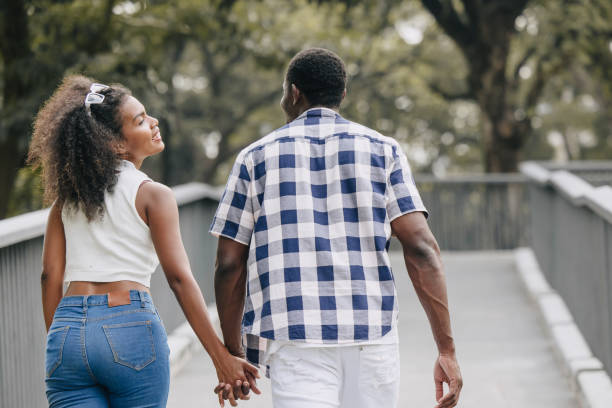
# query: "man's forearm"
230, 287
425, 270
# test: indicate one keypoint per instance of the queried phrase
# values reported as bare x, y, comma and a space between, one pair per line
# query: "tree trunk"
501, 156
501, 131
14, 124
10, 161
503, 139
483, 35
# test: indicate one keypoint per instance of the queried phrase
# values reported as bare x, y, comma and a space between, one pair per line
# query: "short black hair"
319, 74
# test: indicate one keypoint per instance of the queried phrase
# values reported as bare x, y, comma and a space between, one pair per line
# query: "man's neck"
301, 111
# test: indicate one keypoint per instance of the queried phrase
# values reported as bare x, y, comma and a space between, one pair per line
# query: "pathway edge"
587, 376
183, 342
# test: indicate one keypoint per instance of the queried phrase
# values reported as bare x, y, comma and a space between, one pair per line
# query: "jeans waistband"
93, 300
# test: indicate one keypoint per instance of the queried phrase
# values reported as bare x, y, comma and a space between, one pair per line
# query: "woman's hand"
236, 378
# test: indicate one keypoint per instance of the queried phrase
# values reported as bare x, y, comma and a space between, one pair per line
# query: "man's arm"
422, 257
230, 291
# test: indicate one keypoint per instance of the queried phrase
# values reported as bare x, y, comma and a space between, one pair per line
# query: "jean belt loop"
85, 298
143, 300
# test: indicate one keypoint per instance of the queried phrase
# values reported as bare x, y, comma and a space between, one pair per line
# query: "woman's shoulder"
153, 192
156, 189
154, 198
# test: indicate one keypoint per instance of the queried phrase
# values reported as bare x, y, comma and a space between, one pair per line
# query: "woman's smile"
156, 135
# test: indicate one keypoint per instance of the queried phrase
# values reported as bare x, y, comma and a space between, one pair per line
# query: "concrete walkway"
505, 355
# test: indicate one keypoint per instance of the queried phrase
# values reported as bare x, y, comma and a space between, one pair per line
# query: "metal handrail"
572, 187
31, 225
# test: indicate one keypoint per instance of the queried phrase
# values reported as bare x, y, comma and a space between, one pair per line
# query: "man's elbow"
428, 249
228, 267
424, 251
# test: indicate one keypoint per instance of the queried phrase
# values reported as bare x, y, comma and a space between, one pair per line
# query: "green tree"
463, 85
39, 41
496, 77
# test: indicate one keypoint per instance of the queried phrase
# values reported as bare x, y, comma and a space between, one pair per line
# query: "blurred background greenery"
464, 85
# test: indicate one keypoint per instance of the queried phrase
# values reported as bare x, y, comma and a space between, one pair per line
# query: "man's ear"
296, 94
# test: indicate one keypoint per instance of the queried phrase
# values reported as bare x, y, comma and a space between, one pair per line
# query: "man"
304, 227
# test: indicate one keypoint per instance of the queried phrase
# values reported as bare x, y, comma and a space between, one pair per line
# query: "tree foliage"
464, 85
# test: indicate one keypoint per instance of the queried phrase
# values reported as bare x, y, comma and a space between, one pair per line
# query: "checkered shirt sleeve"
402, 194
234, 218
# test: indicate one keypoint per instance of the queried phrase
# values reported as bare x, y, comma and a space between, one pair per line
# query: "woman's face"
141, 136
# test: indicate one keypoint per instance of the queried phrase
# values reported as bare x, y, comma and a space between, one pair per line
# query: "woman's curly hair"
77, 152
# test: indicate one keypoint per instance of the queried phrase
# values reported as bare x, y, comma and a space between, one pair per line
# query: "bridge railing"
22, 330
477, 212
467, 213
572, 240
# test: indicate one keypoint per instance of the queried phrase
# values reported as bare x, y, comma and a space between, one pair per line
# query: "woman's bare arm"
161, 213
53, 263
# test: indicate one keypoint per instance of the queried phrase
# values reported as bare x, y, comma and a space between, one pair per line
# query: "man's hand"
238, 391
447, 371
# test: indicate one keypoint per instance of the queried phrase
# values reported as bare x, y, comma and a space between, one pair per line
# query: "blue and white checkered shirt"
313, 200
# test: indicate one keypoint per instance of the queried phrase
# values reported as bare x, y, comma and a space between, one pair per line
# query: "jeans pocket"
131, 343
55, 348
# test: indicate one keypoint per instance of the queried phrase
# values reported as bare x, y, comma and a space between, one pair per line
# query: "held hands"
446, 370
236, 378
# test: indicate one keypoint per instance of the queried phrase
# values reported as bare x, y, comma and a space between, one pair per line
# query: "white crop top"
117, 247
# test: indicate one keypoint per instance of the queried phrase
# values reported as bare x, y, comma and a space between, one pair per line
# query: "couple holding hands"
303, 280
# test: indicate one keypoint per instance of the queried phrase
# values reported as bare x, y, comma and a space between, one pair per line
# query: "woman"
108, 229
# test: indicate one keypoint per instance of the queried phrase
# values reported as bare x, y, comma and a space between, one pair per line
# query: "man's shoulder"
260, 143
390, 145
341, 127
357, 129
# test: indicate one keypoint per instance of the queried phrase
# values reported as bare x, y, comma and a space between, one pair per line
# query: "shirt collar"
318, 112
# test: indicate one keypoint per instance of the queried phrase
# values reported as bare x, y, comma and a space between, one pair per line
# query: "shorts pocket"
379, 364
292, 365
284, 367
55, 348
131, 343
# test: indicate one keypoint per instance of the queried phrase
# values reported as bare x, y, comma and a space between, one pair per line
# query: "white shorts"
335, 377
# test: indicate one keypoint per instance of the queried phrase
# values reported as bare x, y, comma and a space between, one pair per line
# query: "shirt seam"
275, 140
236, 238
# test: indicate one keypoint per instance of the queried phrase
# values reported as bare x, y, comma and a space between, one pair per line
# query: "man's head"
315, 77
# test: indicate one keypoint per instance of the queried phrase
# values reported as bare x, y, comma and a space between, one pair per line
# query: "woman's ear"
120, 149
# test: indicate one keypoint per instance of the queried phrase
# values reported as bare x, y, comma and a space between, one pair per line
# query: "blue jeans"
101, 356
